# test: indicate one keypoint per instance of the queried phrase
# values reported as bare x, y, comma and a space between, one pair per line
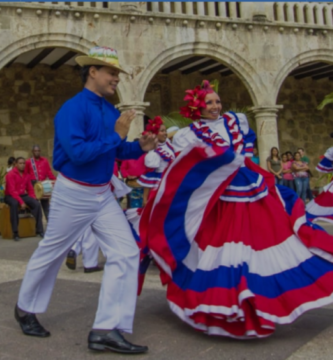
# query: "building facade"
273, 58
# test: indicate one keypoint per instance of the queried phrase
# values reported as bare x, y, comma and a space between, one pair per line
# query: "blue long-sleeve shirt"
85, 143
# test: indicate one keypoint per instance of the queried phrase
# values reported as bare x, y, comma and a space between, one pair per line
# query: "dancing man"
89, 134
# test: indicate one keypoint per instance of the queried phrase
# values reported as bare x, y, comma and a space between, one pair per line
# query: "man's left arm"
48, 170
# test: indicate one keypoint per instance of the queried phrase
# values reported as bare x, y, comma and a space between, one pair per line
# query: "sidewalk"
73, 306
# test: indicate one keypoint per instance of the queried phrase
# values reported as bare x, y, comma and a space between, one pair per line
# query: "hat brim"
172, 134
87, 60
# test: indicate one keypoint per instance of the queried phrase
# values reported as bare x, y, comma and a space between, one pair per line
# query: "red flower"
154, 125
196, 102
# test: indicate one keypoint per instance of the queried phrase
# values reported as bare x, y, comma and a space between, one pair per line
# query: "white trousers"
88, 244
75, 208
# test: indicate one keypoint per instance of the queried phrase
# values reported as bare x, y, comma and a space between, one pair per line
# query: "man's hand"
124, 122
148, 142
23, 206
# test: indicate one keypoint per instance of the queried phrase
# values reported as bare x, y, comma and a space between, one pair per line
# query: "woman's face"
289, 157
162, 134
213, 107
297, 157
275, 152
284, 158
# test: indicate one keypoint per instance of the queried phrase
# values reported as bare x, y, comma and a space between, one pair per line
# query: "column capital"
139, 106
265, 110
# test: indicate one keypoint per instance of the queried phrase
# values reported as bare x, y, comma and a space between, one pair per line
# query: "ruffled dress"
321, 208
236, 251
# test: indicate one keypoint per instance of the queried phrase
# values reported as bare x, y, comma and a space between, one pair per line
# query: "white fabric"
120, 188
186, 136
329, 154
88, 244
75, 208
154, 161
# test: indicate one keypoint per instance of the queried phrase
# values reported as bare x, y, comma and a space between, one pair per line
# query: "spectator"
287, 173
19, 194
10, 163
39, 169
290, 156
274, 165
306, 160
300, 171
255, 157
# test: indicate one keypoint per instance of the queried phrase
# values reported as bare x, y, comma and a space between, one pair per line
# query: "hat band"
107, 59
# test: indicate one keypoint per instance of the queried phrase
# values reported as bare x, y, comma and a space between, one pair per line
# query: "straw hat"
101, 55
171, 131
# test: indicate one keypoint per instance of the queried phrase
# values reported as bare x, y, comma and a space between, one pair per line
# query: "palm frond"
175, 119
328, 99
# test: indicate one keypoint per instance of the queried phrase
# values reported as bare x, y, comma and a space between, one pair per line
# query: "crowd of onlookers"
291, 170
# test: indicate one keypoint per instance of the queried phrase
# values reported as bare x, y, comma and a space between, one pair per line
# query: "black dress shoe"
41, 234
16, 237
30, 325
113, 341
93, 269
71, 260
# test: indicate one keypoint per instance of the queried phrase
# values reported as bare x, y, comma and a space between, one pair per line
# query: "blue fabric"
85, 143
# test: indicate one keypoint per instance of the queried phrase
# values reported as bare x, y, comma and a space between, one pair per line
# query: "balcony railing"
304, 13
300, 13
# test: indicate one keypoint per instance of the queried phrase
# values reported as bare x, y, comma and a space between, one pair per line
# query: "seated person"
19, 194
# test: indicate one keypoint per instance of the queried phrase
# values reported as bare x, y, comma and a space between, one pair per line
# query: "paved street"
73, 306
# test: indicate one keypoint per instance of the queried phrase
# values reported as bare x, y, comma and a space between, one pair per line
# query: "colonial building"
275, 58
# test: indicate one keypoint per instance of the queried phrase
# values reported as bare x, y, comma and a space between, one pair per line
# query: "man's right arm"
70, 130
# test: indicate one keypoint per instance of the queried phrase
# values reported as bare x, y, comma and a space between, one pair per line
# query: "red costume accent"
43, 169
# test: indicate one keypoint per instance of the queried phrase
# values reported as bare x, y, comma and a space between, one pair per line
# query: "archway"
166, 89
300, 123
35, 84
235, 62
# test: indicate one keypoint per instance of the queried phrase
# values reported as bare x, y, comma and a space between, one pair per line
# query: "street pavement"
73, 305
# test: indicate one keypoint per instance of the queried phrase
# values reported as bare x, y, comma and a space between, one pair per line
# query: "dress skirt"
236, 251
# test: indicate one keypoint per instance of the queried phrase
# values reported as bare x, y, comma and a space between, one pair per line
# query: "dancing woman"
321, 208
235, 251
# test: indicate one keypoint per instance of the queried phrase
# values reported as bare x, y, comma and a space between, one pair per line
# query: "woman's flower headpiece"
196, 99
154, 125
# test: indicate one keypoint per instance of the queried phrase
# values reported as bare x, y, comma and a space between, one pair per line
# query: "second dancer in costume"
235, 251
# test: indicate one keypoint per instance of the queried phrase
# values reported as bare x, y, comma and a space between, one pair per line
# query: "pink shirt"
287, 166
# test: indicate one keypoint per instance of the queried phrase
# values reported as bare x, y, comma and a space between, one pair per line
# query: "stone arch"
234, 61
70, 41
299, 59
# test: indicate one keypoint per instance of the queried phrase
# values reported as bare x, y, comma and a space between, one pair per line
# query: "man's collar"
92, 96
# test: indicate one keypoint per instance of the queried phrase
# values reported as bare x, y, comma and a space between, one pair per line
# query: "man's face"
301, 151
20, 164
36, 152
105, 80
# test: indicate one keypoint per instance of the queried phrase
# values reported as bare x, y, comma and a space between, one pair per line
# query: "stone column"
137, 124
267, 130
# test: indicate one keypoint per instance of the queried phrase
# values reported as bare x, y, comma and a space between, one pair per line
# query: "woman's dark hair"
84, 72
19, 158
275, 148
11, 161
289, 152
